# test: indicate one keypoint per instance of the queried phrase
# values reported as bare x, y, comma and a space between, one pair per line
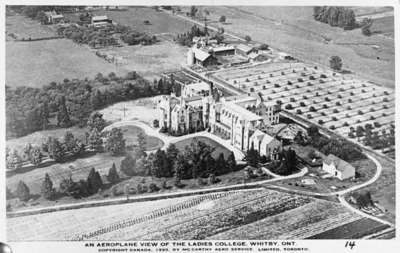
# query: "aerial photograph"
134, 123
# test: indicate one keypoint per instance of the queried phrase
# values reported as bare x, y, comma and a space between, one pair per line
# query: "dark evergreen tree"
113, 176
96, 121
63, 119
94, 182
23, 192
231, 162
47, 190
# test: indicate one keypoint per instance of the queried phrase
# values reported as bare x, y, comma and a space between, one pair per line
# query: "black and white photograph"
204, 122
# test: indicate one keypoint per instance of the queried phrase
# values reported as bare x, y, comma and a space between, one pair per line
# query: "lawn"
38, 63
293, 30
143, 109
218, 147
131, 133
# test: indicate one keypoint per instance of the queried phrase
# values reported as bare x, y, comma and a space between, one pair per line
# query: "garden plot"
299, 223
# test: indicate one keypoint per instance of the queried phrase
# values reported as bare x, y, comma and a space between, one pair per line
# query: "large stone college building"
240, 119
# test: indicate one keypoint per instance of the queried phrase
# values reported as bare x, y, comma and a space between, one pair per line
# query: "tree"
63, 119
252, 157
115, 142
94, 182
113, 176
172, 153
193, 11
95, 141
128, 165
96, 121
160, 165
247, 38
141, 149
179, 169
23, 192
222, 19
335, 63
47, 190
55, 150
221, 166
231, 162
13, 161
35, 156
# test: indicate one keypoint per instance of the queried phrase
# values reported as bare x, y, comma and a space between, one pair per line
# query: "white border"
325, 246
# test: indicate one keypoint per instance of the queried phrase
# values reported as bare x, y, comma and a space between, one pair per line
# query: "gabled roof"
223, 48
99, 18
244, 48
340, 164
200, 54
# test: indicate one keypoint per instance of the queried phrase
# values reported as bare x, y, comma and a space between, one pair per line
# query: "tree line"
71, 102
334, 145
195, 162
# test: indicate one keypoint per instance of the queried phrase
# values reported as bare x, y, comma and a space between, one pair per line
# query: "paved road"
239, 155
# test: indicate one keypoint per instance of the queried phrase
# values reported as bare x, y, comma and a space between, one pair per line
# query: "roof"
57, 16
245, 114
340, 164
99, 18
198, 86
200, 54
244, 48
223, 48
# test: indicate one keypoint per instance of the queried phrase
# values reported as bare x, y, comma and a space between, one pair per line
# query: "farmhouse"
53, 18
98, 21
337, 167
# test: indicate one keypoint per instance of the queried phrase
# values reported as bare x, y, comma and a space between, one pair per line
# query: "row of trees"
186, 39
71, 102
334, 145
373, 138
336, 16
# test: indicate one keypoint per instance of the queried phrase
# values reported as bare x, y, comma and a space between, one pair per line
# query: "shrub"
322, 76
335, 110
337, 103
320, 122
309, 116
292, 100
289, 82
299, 111
325, 106
277, 85
312, 109
156, 123
302, 104
321, 81
289, 107
323, 113
332, 127
300, 80
334, 118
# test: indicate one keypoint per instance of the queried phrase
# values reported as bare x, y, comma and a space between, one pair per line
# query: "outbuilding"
338, 168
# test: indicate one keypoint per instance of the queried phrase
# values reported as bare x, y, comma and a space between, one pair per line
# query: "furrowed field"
247, 214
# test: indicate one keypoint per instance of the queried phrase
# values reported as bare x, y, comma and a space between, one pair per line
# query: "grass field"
40, 62
143, 109
24, 28
165, 55
218, 147
131, 133
293, 30
37, 138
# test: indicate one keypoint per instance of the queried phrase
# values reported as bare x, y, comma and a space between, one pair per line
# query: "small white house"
338, 168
